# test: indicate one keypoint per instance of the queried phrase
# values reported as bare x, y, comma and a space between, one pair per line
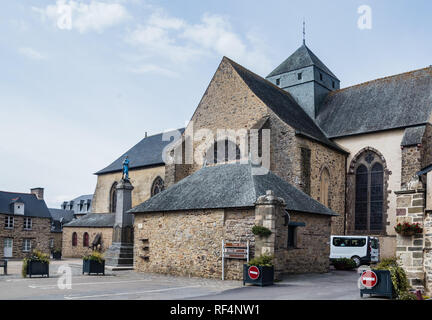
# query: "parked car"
362, 249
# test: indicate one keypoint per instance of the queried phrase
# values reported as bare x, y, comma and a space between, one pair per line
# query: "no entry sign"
253, 272
369, 279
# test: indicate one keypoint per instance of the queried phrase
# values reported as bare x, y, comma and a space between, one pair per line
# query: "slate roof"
393, 102
93, 220
303, 57
413, 136
33, 207
147, 152
284, 105
58, 214
228, 186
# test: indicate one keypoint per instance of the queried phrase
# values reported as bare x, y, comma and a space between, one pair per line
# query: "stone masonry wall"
411, 163
39, 234
189, 243
312, 250
410, 208
79, 250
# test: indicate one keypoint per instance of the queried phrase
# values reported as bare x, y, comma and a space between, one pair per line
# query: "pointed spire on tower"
304, 31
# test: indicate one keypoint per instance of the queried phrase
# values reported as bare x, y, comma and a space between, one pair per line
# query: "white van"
362, 249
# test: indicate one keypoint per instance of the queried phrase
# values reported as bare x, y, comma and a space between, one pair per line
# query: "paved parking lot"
133, 285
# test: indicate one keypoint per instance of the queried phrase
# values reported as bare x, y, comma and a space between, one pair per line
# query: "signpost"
234, 250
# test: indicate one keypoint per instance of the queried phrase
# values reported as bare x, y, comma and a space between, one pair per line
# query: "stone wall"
410, 208
39, 234
141, 179
189, 243
79, 250
411, 163
57, 237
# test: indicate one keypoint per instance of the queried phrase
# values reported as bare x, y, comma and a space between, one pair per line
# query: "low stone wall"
69, 251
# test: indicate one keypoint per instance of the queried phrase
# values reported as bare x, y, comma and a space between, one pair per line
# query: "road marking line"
85, 283
126, 293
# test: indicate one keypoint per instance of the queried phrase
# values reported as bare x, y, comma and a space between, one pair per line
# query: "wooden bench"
3, 263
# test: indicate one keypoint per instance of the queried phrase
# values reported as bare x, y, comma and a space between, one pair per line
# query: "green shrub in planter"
264, 266
261, 231
36, 263
344, 264
398, 277
94, 263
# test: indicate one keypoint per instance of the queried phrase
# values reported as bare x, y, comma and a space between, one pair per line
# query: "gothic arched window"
157, 186
85, 239
113, 197
74, 239
324, 187
369, 193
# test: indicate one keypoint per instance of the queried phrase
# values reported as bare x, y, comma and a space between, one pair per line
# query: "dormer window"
18, 208
278, 82
299, 76
321, 77
333, 84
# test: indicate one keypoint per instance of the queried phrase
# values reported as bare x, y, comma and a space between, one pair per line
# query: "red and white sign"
253, 272
369, 279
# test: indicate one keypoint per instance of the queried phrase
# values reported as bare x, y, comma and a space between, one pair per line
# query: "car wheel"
356, 260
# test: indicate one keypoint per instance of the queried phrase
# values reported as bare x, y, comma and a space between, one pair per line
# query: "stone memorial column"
120, 253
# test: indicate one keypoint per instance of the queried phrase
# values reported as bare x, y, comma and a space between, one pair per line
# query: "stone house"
59, 218
25, 224
180, 230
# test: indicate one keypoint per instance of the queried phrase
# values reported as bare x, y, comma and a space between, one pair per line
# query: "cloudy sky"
82, 81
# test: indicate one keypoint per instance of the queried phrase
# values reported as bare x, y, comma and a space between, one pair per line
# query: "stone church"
351, 149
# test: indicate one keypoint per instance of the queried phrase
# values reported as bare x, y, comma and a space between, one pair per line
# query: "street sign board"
253, 272
369, 279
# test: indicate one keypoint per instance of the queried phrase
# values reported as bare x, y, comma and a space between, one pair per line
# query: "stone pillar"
120, 253
270, 213
410, 208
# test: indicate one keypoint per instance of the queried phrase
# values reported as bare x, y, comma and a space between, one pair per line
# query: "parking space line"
127, 293
85, 283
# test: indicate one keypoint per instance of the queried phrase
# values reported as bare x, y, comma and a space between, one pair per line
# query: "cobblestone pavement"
133, 285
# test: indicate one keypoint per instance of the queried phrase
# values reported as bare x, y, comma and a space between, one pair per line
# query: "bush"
398, 278
344, 263
262, 261
95, 256
407, 296
261, 231
37, 256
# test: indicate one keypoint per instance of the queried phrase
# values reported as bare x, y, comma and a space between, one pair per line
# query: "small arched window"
74, 239
113, 197
157, 186
85, 239
324, 187
369, 193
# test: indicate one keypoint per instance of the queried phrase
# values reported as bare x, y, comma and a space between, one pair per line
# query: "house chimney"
38, 192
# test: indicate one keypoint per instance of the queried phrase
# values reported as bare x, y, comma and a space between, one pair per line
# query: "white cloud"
174, 40
95, 16
31, 53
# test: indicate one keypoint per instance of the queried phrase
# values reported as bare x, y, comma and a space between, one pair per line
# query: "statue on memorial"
125, 175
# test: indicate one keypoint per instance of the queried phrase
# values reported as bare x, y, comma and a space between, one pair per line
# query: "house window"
26, 245
278, 81
51, 243
27, 223
333, 84
324, 187
292, 233
85, 239
369, 193
299, 76
9, 222
74, 239
157, 186
113, 197
321, 77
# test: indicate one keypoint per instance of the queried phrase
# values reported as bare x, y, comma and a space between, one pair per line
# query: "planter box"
36, 268
384, 286
57, 255
92, 266
265, 278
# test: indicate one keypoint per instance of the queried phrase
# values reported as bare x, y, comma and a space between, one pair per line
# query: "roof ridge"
26, 193
379, 79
